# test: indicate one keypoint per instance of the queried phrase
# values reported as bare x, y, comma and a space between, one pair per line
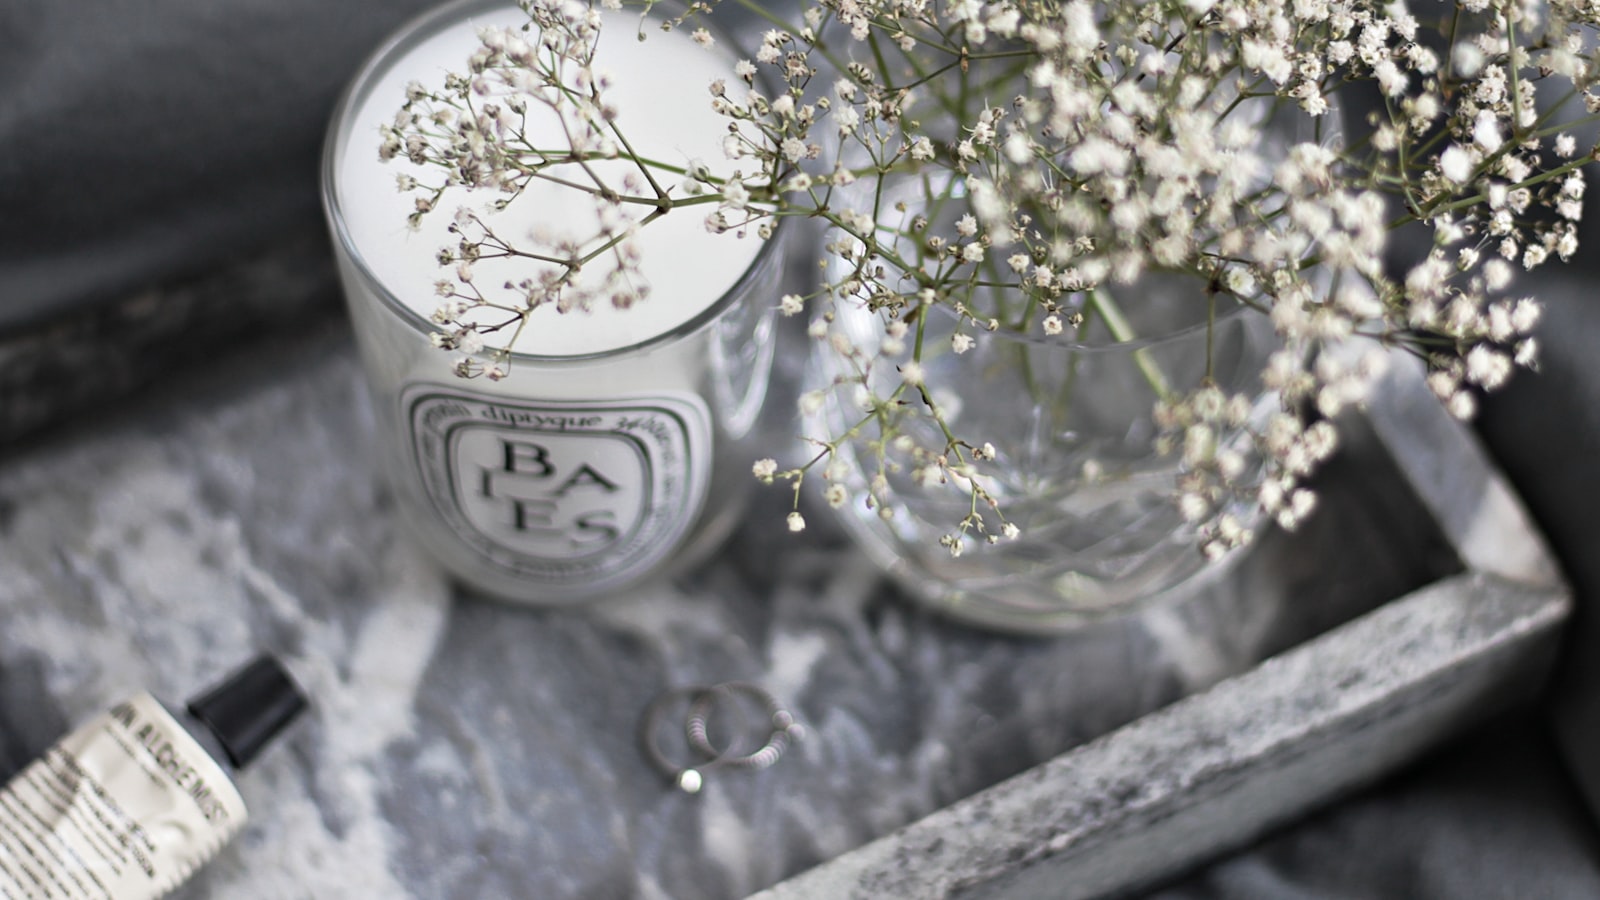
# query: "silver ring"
782, 727
689, 777
702, 703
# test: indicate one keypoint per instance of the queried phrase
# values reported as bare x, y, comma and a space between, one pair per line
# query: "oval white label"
570, 494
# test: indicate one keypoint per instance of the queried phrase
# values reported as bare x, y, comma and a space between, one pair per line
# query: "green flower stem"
1411, 201
1070, 383
1211, 333
1476, 199
1450, 53
1122, 330
1511, 69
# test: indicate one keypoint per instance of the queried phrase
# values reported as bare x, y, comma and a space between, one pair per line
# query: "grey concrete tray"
460, 748
1217, 769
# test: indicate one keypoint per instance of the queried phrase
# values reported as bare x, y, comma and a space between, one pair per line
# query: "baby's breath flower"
1455, 164
1527, 353
1240, 282
1488, 368
1128, 141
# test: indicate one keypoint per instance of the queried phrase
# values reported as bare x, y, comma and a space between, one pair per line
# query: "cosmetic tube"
129, 805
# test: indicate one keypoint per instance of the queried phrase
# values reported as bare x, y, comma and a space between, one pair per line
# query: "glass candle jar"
612, 449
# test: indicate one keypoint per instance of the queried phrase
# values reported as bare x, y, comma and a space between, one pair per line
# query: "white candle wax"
660, 89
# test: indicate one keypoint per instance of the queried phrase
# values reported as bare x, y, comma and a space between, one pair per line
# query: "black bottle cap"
248, 709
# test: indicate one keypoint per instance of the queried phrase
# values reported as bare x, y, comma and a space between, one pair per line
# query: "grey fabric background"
144, 142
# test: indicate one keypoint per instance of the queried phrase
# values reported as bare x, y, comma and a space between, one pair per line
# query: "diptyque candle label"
586, 493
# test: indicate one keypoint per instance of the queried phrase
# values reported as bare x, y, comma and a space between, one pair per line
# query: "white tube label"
584, 494
124, 808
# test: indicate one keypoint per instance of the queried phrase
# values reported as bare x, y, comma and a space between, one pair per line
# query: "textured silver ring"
782, 727
688, 777
702, 704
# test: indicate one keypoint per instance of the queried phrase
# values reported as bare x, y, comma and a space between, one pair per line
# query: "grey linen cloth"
143, 141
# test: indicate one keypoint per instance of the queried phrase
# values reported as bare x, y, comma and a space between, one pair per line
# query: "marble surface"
462, 748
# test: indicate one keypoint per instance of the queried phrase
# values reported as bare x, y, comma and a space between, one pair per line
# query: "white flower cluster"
475, 130
1064, 150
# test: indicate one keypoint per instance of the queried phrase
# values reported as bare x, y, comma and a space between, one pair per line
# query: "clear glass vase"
1072, 422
